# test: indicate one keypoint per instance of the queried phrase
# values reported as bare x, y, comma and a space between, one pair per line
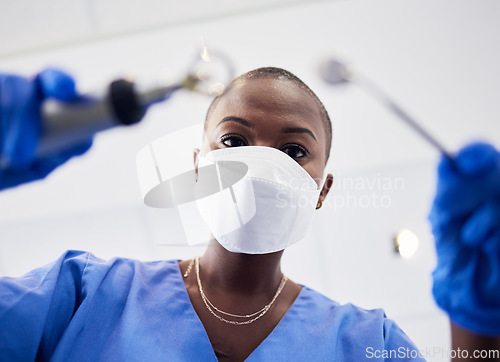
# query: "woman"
227, 305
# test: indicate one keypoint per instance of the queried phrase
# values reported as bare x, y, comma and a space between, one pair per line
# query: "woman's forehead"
267, 97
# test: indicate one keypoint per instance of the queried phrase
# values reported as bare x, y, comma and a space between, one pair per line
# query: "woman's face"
272, 113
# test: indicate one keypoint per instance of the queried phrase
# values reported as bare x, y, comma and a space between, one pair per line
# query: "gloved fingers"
492, 244
470, 180
471, 160
488, 277
19, 125
477, 158
55, 83
458, 200
39, 169
483, 222
446, 169
11, 178
44, 166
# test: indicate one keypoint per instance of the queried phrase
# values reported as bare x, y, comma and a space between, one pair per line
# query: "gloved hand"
20, 125
465, 219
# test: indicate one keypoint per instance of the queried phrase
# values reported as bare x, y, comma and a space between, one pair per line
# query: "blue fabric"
81, 308
465, 218
21, 127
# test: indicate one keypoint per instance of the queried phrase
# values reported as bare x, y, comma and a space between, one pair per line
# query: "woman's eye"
233, 141
295, 151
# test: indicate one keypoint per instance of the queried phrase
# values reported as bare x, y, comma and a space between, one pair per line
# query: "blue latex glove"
465, 219
20, 125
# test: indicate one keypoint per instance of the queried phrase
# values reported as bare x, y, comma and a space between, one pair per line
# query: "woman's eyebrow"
298, 130
239, 120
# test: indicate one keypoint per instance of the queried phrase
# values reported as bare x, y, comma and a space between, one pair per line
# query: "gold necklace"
212, 308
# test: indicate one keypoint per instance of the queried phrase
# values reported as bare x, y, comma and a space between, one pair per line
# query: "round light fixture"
406, 243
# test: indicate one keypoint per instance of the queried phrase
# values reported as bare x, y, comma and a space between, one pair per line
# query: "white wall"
437, 58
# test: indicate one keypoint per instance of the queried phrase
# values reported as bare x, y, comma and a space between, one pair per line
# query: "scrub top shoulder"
83, 308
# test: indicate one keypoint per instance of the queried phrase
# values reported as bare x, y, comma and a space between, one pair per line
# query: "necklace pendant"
188, 270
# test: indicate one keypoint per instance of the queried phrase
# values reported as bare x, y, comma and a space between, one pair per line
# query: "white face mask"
267, 210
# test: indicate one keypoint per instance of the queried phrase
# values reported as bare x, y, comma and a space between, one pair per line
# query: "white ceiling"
27, 25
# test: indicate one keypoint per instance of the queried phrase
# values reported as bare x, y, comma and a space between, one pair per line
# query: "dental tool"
335, 72
124, 103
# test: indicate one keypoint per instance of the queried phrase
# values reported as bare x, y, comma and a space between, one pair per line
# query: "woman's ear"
324, 191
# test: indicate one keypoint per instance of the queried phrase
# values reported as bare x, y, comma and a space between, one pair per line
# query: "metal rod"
376, 91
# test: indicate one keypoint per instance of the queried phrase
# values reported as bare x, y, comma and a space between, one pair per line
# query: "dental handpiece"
122, 103
335, 72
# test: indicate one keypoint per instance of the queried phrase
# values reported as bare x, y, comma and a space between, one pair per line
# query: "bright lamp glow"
406, 243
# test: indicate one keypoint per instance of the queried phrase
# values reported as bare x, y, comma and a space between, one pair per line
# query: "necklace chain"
212, 308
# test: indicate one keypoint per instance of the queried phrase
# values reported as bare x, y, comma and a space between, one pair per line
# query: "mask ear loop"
197, 151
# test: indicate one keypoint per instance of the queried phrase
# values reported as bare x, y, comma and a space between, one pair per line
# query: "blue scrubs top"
82, 308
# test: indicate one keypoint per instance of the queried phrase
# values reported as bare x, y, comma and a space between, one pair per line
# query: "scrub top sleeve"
398, 344
36, 308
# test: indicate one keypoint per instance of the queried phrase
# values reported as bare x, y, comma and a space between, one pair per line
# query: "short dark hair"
281, 74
